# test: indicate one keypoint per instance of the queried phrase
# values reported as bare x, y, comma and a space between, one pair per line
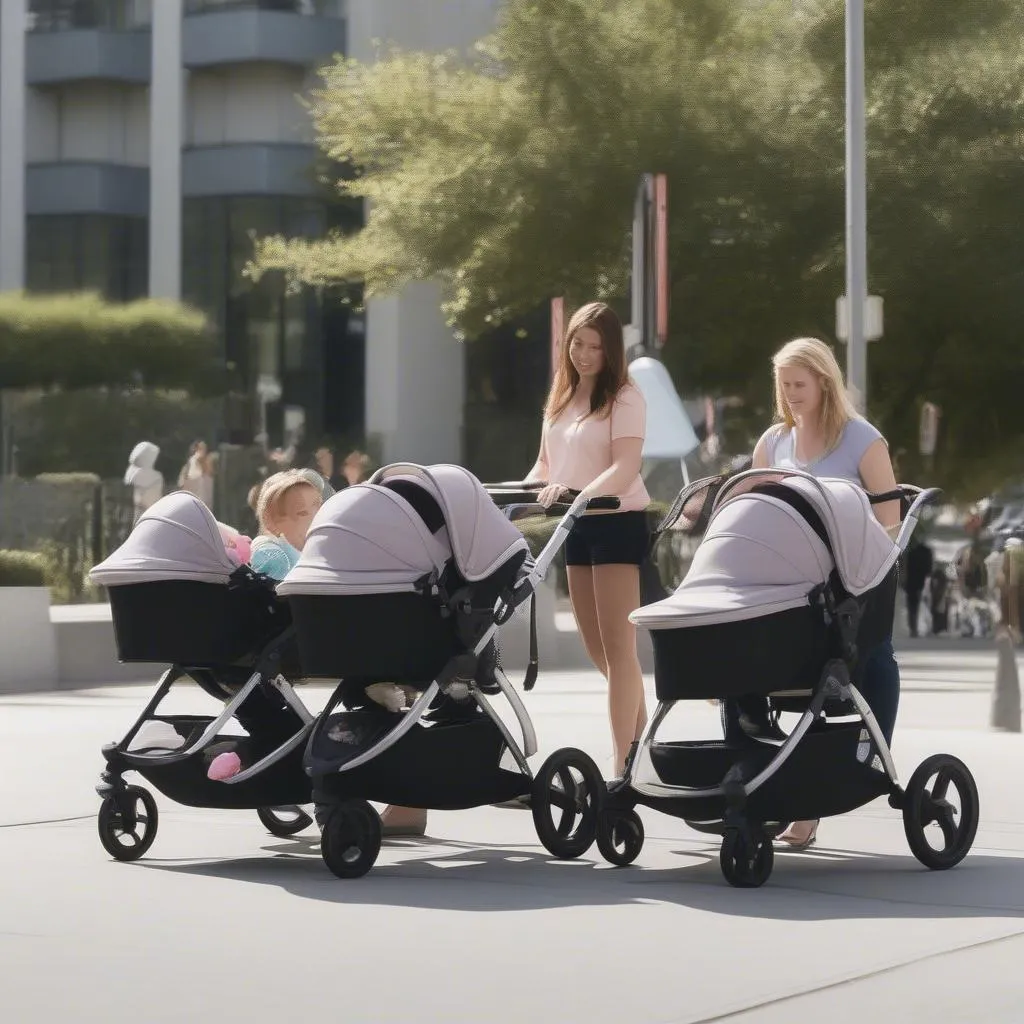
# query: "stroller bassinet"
176, 596
405, 580
792, 585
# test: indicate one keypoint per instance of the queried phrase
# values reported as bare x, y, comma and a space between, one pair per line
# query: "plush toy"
237, 545
224, 766
391, 695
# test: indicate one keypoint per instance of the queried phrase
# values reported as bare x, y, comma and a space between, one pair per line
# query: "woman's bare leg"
616, 594
584, 608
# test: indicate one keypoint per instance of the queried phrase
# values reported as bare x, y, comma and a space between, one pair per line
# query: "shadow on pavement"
817, 885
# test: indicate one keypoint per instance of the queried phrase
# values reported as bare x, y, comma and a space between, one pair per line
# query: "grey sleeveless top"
843, 461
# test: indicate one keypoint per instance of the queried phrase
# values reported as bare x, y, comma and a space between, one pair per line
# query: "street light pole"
856, 206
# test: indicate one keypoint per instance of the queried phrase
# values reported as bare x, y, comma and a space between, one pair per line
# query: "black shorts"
610, 538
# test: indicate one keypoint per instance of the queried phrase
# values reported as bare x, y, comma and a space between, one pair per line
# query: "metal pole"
856, 206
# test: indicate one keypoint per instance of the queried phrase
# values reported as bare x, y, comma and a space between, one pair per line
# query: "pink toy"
223, 766
237, 545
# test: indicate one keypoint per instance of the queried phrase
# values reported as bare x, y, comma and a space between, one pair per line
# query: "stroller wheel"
566, 800
746, 857
350, 841
127, 830
620, 836
284, 822
928, 801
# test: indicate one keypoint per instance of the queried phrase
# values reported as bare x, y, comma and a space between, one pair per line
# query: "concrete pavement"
221, 921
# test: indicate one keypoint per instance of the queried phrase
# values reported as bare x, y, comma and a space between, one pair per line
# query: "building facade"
144, 142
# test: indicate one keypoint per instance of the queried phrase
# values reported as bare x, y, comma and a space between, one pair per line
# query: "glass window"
73, 252
323, 8
62, 15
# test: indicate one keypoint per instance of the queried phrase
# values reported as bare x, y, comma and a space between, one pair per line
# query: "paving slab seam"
841, 982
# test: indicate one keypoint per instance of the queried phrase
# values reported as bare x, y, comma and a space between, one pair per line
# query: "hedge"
22, 569
79, 340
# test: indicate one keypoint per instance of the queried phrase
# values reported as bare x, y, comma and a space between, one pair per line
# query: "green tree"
511, 179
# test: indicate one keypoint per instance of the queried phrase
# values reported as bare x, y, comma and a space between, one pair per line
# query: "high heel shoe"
800, 835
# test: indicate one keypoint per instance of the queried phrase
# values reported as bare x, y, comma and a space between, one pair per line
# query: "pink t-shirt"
578, 449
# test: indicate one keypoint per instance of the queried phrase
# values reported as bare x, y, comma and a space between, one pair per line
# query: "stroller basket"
190, 623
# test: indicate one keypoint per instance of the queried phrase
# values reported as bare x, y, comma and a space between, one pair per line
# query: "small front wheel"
928, 801
567, 795
350, 841
284, 822
620, 836
746, 857
126, 829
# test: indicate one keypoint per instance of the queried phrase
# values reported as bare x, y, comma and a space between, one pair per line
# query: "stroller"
405, 580
177, 597
793, 581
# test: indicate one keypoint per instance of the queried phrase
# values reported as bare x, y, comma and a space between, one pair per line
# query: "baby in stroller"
285, 508
180, 595
793, 581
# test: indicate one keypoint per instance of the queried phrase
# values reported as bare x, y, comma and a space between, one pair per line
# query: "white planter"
28, 642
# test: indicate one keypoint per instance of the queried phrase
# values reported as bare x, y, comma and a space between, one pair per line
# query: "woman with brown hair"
591, 441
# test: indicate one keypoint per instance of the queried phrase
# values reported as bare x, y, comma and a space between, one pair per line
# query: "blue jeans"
880, 686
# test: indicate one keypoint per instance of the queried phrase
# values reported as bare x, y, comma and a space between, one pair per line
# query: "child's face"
295, 511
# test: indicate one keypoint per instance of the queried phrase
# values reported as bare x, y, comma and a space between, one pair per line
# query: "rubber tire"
915, 808
620, 837
561, 842
351, 837
278, 827
744, 867
110, 814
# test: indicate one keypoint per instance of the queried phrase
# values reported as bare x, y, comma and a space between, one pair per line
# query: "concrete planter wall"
28, 642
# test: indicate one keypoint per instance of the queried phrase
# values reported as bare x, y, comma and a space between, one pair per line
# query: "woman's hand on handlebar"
550, 494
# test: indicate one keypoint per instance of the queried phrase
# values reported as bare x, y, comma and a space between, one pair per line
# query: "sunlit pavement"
221, 921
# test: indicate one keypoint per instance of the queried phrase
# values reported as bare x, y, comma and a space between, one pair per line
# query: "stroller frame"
729, 808
351, 829
119, 817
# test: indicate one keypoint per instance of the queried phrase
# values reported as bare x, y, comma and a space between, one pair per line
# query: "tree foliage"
78, 341
511, 179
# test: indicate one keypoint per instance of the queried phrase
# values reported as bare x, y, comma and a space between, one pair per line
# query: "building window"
301, 338
322, 8
112, 15
88, 252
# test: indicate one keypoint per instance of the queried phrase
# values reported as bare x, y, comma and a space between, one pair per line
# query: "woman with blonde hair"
818, 431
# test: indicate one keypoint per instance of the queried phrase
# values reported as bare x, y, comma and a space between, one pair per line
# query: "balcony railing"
110, 15
319, 8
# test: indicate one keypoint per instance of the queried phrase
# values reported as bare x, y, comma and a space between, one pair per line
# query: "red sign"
661, 259
557, 331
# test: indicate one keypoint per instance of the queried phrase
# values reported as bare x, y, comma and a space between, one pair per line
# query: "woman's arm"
541, 472
760, 457
625, 468
877, 476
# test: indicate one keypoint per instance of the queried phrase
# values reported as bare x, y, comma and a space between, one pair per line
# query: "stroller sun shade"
177, 538
380, 537
762, 555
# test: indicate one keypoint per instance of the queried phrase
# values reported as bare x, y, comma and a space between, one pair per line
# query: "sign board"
930, 415
873, 319
670, 434
268, 388
557, 331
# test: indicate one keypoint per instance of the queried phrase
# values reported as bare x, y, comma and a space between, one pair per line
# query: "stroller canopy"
762, 554
177, 538
371, 539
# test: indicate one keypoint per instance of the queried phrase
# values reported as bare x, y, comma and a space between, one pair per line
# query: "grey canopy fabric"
368, 539
864, 552
760, 556
177, 538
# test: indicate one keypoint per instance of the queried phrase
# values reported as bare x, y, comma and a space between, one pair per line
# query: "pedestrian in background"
146, 482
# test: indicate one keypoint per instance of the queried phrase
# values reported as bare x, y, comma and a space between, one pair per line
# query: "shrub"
22, 569
79, 340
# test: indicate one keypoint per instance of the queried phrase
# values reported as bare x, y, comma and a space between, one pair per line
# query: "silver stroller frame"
642, 777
